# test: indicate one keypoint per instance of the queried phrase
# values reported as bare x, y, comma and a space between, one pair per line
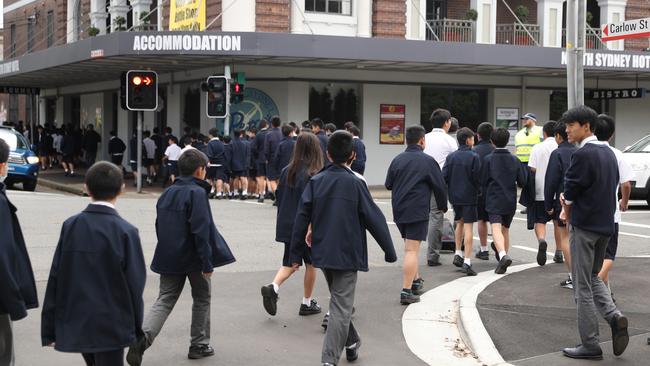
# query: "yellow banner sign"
187, 15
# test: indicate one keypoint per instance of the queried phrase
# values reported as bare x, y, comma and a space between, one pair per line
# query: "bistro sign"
19, 90
617, 93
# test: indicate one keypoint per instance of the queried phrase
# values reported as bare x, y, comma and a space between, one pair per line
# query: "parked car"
638, 156
23, 162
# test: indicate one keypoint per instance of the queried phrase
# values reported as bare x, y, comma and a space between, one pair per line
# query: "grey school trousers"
171, 287
434, 236
588, 252
340, 330
6, 341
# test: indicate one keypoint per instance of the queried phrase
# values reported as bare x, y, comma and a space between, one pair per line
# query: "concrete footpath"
530, 318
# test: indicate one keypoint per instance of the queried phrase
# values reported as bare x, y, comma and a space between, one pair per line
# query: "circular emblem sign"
257, 105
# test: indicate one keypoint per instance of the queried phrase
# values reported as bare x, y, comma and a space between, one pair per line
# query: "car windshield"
12, 139
641, 146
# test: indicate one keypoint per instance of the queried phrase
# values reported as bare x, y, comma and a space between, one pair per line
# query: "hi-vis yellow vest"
524, 144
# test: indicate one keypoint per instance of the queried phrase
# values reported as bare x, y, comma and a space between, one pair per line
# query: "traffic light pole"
139, 157
226, 120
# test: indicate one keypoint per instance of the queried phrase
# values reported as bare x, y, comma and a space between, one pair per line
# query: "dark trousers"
91, 156
117, 159
340, 330
110, 358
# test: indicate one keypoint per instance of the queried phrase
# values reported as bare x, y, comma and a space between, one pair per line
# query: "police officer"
529, 136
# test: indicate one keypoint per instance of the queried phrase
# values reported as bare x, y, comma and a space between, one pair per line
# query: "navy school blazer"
188, 240
273, 138
554, 180
359, 164
500, 175
282, 156
339, 206
93, 302
258, 146
413, 176
17, 286
462, 172
323, 139
288, 198
240, 155
215, 152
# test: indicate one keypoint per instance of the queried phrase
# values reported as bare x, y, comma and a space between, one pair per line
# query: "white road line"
532, 250
620, 232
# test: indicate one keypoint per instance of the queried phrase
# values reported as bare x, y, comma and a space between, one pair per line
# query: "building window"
50, 28
12, 50
30, 34
343, 7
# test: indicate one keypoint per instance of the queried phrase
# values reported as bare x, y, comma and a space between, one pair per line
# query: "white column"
70, 31
549, 18
364, 18
118, 8
174, 112
486, 23
98, 15
59, 116
140, 7
613, 11
297, 19
240, 16
42, 108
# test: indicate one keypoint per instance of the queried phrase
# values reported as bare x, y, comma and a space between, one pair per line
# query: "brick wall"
504, 16
389, 18
272, 15
456, 9
637, 9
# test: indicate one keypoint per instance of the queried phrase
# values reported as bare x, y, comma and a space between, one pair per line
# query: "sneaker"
312, 309
200, 351
270, 299
541, 252
408, 297
468, 270
324, 322
483, 255
503, 265
434, 261
568, 283
496, 252
458, 261
558, 257
67, 174
260, 199
134, 356
417, 286
352, 352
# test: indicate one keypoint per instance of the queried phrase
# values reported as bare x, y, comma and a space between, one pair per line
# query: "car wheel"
29, 185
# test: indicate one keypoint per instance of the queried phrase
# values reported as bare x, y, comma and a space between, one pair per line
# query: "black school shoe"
620, 338
458, 261
468, 270
407, 297
583, 353
541, 252
270, 299
417, 286
503, 265
200, 351
496, 252
558, 257
352, 352
483, 255
312, 309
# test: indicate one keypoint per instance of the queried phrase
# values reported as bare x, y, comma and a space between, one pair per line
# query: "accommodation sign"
617, 93
180, 42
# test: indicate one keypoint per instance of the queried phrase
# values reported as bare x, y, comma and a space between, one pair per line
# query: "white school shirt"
173, 152
539, 157
625, 174
438, 144
150, 147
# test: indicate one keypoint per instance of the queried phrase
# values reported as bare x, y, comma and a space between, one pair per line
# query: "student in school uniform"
149, 156
68, 149
305, 163
359, 164
283, 154
133, 156
538, 164
558, 164
17, 286
604, 132
483, 148
251, 133
93, 302
172, 154
189, 248
501, 173
340, 209
317, 128
116, 148
260, 159
589, 204
462, 172
271, 143
413, 177
239, 163
216, 163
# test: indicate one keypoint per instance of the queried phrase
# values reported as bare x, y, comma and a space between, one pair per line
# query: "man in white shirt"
604, 132
538, 164
438, 144
172, 154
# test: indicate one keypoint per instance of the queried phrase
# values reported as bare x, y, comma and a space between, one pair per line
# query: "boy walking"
462, 172
240, 157
500, 175
17, 286
483, 148
217, 163
189, 247
93, 303
340, 207
413, 176
589, 204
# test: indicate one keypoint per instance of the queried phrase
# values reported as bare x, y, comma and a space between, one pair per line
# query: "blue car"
23, 162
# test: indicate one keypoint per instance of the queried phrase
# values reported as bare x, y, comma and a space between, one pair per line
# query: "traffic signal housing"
141, 90
237, 87
217, 90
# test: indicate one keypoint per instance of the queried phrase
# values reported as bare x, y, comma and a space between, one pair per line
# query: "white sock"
467, 261
276, 287
245, 193
219, 193
502, 253
570, 277
484, 248
459, 253
306, 301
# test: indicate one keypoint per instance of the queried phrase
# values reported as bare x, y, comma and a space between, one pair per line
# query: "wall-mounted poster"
187, 15
509, 118
392, 119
